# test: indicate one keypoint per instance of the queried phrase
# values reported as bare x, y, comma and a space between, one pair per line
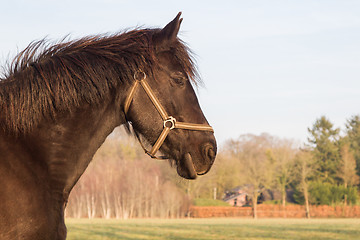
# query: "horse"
60, 101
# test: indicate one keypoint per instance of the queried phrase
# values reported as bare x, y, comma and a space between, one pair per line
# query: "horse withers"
58, 104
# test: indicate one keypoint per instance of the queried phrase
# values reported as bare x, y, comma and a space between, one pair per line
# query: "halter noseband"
169, 121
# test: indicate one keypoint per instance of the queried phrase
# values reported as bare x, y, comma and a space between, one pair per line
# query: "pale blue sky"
268, 66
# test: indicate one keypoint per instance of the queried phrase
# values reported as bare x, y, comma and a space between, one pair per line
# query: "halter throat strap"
169, 122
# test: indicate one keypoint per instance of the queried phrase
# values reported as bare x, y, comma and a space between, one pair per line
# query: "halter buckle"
170, 120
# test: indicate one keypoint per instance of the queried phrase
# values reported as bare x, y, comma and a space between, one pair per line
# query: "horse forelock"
47, 78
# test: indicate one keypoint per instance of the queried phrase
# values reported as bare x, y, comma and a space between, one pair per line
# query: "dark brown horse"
58, 104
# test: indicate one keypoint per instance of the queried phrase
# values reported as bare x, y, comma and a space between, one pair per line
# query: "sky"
271, 66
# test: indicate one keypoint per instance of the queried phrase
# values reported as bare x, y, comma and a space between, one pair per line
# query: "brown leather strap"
193, 126
154, 99
159, 141
146, 151
130, 97
169, 121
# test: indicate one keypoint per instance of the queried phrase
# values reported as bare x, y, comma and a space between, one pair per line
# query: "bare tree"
90, 187
257, 168
347, 169
305, 169
283, 156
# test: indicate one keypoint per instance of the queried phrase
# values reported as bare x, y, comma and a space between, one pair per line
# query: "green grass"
209, 202
204, 229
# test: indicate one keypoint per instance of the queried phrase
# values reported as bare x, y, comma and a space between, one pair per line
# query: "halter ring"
170, 120
138, 77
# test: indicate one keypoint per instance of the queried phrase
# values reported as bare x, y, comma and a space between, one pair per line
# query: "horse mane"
46, 79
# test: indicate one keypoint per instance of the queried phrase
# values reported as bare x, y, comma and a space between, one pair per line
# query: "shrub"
329, 194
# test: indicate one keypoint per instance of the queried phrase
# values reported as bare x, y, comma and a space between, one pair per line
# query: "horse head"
163, 108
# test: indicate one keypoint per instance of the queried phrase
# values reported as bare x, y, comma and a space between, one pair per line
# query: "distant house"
241, 196
238, 196
237, 200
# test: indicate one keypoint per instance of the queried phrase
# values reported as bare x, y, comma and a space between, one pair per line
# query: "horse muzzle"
189, 167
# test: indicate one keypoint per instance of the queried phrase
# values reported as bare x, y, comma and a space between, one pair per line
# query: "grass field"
205, 229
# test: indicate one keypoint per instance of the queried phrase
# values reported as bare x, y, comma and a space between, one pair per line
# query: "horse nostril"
209, 153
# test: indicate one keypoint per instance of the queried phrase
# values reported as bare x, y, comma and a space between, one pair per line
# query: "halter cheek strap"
169, 121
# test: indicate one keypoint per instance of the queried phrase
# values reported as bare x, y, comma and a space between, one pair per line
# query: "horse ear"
168, 34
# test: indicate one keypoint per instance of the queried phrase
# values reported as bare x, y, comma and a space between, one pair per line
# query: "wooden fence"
277, 211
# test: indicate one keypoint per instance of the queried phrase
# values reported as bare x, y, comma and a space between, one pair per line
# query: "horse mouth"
186, 167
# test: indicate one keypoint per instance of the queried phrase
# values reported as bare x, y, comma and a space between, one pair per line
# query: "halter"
169, 121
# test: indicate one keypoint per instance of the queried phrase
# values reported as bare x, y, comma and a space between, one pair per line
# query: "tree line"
122, 182
324, 170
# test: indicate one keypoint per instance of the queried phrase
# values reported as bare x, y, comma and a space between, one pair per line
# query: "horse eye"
179, 81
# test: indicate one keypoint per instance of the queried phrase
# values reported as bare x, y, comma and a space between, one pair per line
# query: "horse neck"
67, 145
